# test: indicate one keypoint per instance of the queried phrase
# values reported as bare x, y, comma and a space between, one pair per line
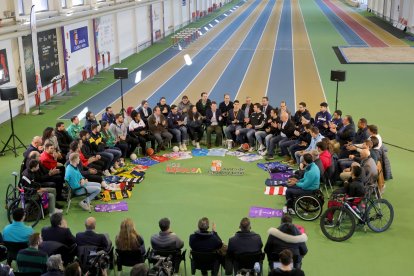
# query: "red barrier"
54, 88
37, 98
91, 72
193, 15
47, 93
109, 58
63, 83
84, 75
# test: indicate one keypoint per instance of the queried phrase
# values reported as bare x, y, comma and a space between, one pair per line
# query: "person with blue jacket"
76, 180
305, 186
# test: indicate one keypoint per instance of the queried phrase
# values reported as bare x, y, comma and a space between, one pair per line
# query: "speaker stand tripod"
13, 137
336, 98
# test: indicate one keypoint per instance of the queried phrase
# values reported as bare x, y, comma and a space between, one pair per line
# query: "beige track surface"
379, 54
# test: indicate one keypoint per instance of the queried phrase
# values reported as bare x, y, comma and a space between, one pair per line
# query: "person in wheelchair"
28, 181
354, 189
305, 186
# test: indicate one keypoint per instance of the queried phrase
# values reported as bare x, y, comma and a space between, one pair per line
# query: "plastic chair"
205, 261
12, 249
176, 257
247, 261
72, 194
128, 258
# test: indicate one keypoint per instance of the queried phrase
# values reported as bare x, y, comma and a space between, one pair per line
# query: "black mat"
387, 26
342, 59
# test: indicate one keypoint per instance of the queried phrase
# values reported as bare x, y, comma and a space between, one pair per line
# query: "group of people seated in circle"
82, 155
285, 246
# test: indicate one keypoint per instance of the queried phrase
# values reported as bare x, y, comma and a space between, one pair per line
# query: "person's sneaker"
291, 211
184, 147
263, 153
284, 210
197, 145
84, 205
113, 170
251, 149
270, 157
181, 147
194, 143
229, 144
287, 158
106, 173
261, 147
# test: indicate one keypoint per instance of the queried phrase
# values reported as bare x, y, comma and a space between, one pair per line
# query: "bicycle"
338, 223
23, 197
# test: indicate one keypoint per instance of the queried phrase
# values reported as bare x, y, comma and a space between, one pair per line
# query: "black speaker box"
8, 93
337, 75
120, 73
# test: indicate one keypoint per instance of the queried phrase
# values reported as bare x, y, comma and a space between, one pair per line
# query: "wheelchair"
27, 198
309, 207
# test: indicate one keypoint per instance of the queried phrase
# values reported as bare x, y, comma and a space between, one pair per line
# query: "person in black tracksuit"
256, 122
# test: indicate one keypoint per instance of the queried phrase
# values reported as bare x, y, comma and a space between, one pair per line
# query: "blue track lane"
347, 33
281, 82
112, 92
176, 84
232, 77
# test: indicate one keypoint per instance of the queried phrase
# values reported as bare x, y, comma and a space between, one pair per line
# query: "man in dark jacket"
165, 108
301, 112
245, 240
286, 236
91, 238
63, 137
89, 121
206, 241
213, 123
235, 121
58, 231
145, 111
203, 104
158, 124
287, 129
255, 122
346, 133
225, 106
108, 116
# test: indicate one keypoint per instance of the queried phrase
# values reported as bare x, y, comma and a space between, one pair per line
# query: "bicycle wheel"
341, 227
11, 195
379, 215
32, 210
308, 208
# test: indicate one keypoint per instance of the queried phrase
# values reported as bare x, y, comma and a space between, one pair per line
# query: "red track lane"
366, 35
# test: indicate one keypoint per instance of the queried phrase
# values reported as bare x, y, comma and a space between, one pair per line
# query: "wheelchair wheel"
379, 215
33, 211
342, 226
11, 195
307, 207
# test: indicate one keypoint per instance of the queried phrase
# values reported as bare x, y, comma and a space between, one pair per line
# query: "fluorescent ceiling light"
188, 60
138, 76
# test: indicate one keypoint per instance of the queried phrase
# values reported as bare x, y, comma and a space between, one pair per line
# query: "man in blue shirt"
305, 186
17, 231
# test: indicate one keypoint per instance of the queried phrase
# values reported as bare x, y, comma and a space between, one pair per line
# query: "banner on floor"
79, 39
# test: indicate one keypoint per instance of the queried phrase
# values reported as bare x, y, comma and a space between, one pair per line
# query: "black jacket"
225, 108
239, 116
289, 129
205, 241
162, 109
250, 109
58, 234
278, 240
202, 109
90, 238
64, 140
244, 242
297, 118
267, 110
143, 117
257, 120
209, 115
345, 134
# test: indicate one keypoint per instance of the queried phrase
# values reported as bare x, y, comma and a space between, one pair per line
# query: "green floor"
381, 93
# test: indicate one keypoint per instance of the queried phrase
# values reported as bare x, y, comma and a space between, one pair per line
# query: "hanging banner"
29, 63
78, 39
48, 55
105, 41
4, 67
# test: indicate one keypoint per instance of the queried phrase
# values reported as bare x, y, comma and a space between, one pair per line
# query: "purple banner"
78, 39
261, 212
112, 207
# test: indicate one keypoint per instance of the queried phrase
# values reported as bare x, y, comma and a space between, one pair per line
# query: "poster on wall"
105, 42
184, 2
156, 21
29, 63
4, 67
78, 39
48, 55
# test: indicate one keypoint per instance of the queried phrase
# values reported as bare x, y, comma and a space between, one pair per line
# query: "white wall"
81, 59
168, 17
157, 25
105, 41
126, 33
143, 27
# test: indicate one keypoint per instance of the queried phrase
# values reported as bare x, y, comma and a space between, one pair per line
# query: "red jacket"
326, 159
48, 161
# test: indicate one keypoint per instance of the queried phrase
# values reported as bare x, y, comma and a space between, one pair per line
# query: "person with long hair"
194, 122
128, 238
49, 137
